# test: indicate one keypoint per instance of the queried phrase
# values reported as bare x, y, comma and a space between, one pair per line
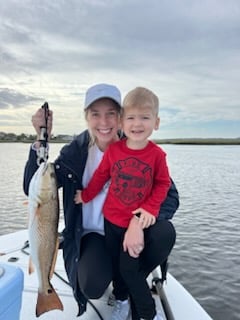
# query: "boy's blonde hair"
141, 97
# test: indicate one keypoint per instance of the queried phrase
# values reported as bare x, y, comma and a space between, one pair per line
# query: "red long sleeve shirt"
139, 178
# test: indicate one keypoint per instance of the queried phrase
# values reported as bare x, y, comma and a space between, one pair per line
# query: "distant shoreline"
187, 141
200, 141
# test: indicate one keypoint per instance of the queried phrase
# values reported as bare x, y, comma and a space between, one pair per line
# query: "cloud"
186, 52
12, 99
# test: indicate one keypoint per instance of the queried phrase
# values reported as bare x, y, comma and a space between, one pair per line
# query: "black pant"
95, 267
129, 274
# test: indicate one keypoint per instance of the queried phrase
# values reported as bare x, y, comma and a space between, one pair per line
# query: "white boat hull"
183, 305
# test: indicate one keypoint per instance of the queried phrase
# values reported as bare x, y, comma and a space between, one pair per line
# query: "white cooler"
11, 288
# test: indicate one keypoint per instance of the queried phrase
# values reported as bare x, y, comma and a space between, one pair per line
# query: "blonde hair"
141, 97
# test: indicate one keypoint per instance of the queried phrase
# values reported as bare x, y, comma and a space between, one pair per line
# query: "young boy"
139, 184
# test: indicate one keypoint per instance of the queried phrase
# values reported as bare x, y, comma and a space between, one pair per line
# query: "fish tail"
48, 302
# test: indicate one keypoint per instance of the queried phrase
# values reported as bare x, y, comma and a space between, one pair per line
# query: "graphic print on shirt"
131, 179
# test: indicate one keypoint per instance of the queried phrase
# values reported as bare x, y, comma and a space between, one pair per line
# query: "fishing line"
10, 251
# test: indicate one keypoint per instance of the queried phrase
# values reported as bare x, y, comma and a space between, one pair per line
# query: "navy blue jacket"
69, 167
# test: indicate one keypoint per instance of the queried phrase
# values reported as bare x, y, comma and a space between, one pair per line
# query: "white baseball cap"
100, 91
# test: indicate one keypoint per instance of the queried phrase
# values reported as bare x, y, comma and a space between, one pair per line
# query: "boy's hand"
146, 219
78, 197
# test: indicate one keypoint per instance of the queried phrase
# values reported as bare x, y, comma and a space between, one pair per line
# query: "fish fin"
48, 302
54, 259
30, 266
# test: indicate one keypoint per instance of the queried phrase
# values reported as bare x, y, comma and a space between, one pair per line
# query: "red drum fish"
43, 234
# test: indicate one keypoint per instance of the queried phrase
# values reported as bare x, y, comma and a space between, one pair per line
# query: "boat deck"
183, 305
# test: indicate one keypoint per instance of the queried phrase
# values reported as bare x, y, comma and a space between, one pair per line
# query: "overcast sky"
186, 51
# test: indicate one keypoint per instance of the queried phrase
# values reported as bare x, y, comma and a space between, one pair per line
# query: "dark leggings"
95, 267
129, 274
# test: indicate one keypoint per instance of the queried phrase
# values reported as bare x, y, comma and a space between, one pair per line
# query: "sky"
186, 51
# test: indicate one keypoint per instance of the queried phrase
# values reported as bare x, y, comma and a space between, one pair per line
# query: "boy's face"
139, 123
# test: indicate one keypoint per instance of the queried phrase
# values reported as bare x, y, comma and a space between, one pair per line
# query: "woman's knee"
94, 267
94, 287
163, 232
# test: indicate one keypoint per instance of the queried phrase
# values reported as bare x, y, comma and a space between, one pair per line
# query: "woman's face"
103, 122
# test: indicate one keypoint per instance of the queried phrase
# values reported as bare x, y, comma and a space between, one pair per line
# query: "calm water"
206, 257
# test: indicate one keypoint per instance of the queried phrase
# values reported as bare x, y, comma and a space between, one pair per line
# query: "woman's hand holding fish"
38, 121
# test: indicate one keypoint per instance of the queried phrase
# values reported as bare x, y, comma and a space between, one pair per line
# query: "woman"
84, 249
